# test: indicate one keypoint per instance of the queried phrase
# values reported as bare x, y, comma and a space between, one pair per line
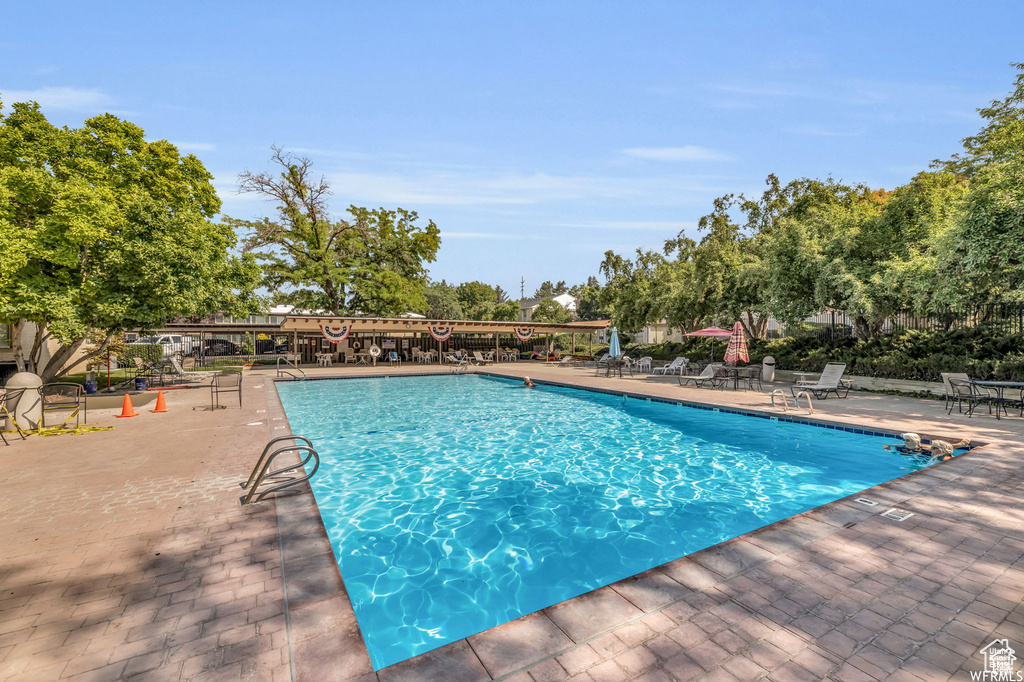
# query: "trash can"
90, 387
768, 368
140, 383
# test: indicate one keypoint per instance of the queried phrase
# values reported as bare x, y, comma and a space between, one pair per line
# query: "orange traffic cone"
161, 405
126, 408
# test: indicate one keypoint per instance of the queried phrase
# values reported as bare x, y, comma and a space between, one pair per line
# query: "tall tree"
103, 232
549, 310
478, 299
443, 302
547, 289
372, 262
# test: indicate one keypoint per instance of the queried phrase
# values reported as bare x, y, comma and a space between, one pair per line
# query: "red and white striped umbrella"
737, 348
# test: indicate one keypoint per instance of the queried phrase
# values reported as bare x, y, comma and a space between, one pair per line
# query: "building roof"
313, 323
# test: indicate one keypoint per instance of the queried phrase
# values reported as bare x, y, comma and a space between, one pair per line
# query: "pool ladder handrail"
261, 473
286, 372
796, 400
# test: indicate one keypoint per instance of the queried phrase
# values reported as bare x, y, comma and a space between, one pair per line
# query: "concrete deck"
125, 555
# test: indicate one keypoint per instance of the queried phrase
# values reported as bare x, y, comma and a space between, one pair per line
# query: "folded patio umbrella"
613, 346
736, 351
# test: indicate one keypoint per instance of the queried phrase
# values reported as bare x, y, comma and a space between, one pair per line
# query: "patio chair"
458, 365
479, 358
148, 370
180, 373
598, 362
5, 395
62, 396
751, 375
963, 391
830, 381
393, 359
644, 364
950, 394
705, 377
225, 383
675, 367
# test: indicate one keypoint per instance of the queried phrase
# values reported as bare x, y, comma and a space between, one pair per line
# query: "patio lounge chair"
180, 373
705, 377
480, 359
831, 381
458, 365
675, 367
599, 362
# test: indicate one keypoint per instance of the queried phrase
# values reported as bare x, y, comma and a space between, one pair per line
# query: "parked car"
172, 344
220, 347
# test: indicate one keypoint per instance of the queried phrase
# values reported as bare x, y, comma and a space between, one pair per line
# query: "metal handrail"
266, 449
289, 363
810, 406
785, 401
261, 473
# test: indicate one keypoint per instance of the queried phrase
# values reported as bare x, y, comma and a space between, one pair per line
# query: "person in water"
527, 382
941, 449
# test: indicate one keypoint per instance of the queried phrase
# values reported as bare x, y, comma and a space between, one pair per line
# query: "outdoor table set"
999, 399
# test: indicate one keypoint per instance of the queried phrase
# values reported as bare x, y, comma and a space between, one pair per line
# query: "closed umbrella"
712, 332
613, 346
737, 348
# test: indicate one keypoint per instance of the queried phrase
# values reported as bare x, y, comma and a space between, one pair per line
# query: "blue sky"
537, 135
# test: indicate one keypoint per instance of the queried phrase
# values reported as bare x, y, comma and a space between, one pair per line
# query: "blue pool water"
456, 503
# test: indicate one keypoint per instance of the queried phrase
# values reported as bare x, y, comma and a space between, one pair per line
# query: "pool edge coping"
310, 644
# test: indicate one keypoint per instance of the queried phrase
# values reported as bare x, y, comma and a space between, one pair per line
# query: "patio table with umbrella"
714, 333
615, 361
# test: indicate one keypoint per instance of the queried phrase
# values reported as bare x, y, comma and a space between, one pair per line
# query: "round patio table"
1000, 387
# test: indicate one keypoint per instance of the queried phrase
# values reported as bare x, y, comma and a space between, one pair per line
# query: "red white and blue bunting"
441, 333
523, 333
335, 334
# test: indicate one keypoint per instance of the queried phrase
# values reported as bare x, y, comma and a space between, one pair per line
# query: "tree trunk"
16, 346
57, 360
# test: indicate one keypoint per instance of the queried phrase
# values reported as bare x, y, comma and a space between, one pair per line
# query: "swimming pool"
456, 503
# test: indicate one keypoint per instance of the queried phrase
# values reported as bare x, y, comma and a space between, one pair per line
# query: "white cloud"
72, 99
687, 153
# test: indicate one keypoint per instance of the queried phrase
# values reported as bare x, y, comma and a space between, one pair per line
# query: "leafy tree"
500, 296
443, 302
550, 310
1001, 138
478, 299
372, 262
103, 232
504, 312
983, 255
547, 289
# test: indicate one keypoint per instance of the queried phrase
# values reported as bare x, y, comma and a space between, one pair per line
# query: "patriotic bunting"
335, 334
441, 333
523, 333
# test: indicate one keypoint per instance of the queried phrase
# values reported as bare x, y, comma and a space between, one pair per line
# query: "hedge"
911, 354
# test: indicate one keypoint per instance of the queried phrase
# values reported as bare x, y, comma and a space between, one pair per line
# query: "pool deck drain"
126, 556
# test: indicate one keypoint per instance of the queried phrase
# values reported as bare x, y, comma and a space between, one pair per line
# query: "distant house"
528, 305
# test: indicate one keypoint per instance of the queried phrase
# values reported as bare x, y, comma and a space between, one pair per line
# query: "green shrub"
981, 352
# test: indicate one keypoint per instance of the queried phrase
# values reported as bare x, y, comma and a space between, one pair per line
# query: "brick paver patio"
127, 556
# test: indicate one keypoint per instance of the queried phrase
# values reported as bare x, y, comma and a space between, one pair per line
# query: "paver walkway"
125, 554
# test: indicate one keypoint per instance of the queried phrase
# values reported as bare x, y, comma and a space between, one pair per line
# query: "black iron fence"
1002, 318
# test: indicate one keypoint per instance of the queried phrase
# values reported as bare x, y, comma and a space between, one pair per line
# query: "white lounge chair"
480, 359
830, 381
458, 364
705, 377
180, 372
675, 367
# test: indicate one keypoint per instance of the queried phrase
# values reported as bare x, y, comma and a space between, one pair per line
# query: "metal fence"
1001, 318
